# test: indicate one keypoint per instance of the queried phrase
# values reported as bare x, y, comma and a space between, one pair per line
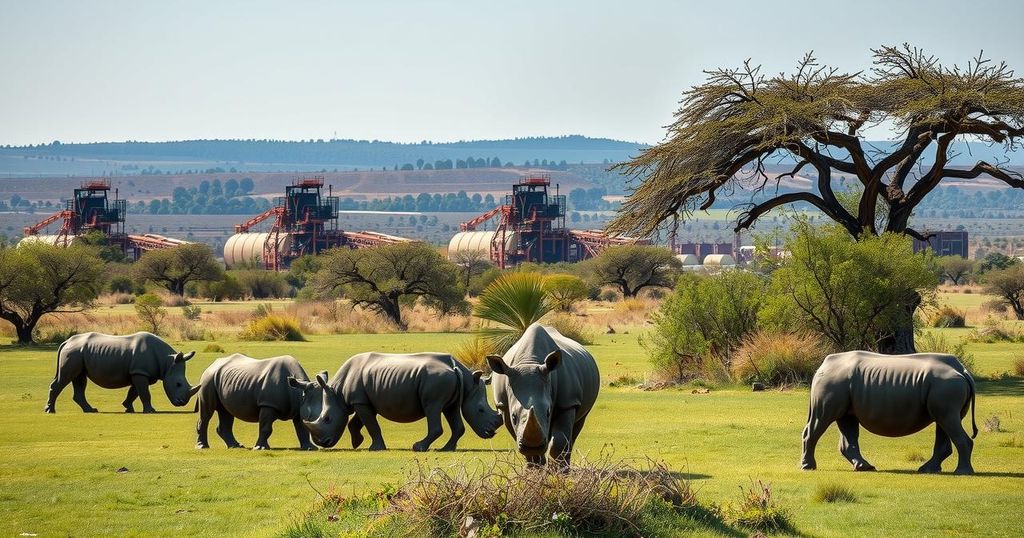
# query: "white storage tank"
719, 260
245, 248
479, 241
58, 240
688, 259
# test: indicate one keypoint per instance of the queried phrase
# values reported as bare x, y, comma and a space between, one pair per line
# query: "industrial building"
91, 209
530, 227
302, 222
952, 243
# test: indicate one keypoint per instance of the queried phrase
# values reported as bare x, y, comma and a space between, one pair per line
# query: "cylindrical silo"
247, 248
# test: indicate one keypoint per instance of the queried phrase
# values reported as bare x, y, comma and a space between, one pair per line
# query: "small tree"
1008, 285
173, 268
150, 309
565, 290
633, 267
704, 316
380, 278
853, 292
471, 263
955, 268
38, 279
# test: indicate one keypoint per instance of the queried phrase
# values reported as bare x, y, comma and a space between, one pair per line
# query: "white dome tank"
479, 241
248, 248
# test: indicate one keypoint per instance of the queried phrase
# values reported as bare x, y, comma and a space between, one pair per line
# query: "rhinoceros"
136, 361
253, 390
400, 388
894, 396
544, 387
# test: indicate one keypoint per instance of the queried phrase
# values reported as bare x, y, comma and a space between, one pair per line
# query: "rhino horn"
532, 435
192, 392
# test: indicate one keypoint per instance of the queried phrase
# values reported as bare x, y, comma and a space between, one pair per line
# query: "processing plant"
530, 227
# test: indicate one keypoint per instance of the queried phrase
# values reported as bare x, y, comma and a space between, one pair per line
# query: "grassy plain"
59, 473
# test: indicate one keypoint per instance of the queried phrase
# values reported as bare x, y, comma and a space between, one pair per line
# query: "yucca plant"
512, 303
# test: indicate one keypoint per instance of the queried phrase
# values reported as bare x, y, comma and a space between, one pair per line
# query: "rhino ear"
497, 364
486, 380
477, 374
321, 379
552, 360
295, 383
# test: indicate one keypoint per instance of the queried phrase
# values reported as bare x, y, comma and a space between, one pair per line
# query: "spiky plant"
511, 303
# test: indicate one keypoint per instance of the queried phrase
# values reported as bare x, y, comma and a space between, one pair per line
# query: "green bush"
149, 308
564, 291
933, 342
262, 284
273, 327
571, 327
213, 348
778, 358
191, 312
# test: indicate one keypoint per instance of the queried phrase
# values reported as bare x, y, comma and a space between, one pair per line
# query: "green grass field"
59, 472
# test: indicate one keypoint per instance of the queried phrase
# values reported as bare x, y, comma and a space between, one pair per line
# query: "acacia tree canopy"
173, 268
632, 268
38, 279
381, 277
737, 120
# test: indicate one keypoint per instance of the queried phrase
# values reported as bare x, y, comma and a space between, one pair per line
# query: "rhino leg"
950, 423
206, 409
303, 434
453, 415
849, 444
562, 426
355, 427
813, 431
78, 384
267, 417
225, 421
129, 400
434, 428
141, 385
943, 449
60, 380
368, 417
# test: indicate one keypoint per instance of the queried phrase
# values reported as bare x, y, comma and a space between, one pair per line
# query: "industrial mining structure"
90, 209
302, 222
530, 227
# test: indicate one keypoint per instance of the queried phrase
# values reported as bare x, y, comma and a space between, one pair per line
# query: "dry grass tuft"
504, 496
473, 353
948, 317
758, 510
832, 492
778, 359
1018, 366
273, 327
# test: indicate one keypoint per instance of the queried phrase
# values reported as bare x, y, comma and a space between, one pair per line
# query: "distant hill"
277, 155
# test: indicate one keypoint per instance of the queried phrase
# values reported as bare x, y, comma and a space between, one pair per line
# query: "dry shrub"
473, 353
948, 317
1018, 366
1016, 441
171, 299
115, 298
778, 358
994, 306
832, 492
213, 348
757, 509
933, 342
274, 327
571, 327
993, 332
914, 456
502, 497
993, 424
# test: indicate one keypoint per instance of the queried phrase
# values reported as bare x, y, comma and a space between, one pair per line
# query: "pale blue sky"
409, 71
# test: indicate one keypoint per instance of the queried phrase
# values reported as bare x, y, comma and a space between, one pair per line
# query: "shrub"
994, 306
933, 342
213, 348
832, 492
993, 424
513, 302
53, 335
1018, 366
473, 353
914, 456
505, 497
778, 358
262, 284
122, 284
571, 328
608, 295
191, 312
228, 289
150, 310
121, 298
948, 317
758, 510
705, 316
273, 327
479, 283
564, 291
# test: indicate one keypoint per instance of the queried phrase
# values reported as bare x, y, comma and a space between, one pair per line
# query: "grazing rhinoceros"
891, 395
253, 390
136, 360
544, 387
400, 388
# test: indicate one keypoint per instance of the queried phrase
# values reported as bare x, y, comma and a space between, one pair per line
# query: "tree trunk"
901, 341
24, 331
392, 310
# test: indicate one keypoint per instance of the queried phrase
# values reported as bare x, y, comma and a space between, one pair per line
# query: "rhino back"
244, 384
395, 385
882, 384
110, 360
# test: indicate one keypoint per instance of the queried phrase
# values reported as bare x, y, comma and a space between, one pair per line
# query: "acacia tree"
955, 268
173, 268
380, 278
1008, 285
632, 268
38, 279
738, 120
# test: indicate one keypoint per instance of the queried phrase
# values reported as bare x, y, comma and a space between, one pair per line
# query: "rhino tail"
974, 392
